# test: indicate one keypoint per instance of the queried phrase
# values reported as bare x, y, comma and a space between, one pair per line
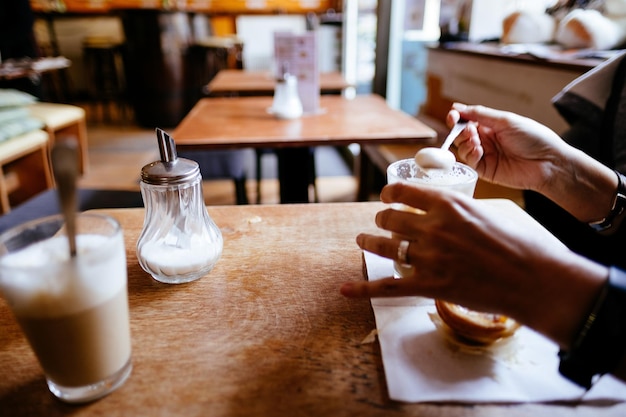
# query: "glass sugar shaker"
179, 241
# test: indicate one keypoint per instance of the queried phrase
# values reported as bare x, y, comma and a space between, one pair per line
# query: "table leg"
293, 174
365, 174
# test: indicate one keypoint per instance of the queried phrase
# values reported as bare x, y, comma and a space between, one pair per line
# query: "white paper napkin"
421, 365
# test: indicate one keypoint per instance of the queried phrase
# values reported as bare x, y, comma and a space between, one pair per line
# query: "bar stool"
205, 58
104, 66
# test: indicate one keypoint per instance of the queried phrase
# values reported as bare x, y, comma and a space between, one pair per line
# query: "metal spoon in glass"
440, 158
64, 157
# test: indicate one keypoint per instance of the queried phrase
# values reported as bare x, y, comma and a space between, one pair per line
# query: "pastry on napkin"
422, 365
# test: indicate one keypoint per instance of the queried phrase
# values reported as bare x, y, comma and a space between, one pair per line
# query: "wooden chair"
24, 168
64, 120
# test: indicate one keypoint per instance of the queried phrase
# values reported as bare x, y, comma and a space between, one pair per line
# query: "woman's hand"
518, 152
506, 148
468, 252
463, 250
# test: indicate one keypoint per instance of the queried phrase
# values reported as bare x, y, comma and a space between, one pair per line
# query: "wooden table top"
244, 82
13, 68
266, 333
238, 122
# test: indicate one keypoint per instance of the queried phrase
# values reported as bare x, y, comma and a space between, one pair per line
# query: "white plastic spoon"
440, 158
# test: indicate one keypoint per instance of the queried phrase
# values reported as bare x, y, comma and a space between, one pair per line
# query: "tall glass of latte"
72, 310
460, 178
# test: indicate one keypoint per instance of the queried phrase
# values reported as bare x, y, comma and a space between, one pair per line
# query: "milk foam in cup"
73, 311
460, 178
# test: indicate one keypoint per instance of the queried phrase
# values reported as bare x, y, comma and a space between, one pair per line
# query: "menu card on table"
297, 54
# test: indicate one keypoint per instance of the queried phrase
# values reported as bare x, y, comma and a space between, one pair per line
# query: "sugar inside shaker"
179, 241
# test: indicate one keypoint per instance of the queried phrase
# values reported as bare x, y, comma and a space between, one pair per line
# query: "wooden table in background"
242, 122
266, 333
229, 82
12, 69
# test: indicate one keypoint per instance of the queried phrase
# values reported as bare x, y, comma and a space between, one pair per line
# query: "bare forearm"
571, 286
582, 186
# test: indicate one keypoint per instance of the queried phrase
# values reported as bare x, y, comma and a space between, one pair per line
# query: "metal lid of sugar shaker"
170, 169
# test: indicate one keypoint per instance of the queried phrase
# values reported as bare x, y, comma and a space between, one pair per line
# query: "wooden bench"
24, 168
47, 204
64, 121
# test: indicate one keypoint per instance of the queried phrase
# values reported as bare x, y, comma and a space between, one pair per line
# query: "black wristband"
610, 223
601, 343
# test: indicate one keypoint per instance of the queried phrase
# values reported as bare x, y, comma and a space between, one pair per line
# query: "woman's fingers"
386, 287
391, 248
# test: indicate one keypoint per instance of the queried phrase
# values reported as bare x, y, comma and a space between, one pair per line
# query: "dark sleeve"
601, 133
578, 236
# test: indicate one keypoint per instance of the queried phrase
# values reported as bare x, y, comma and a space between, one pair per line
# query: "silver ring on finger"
403, 252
